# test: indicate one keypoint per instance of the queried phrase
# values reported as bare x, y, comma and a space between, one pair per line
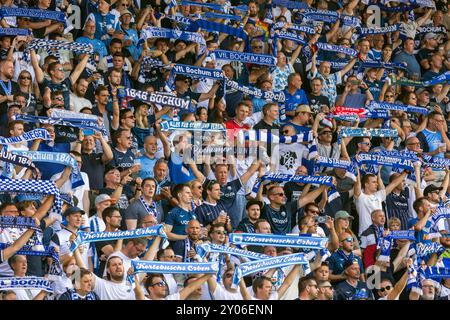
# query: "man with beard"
114, 80
57, 78
77, 99
113, 287
224, 291
307, 289
187, 248
145, 205
247, 225
7, 88
100, 108
112, 220
325, 291
352, 288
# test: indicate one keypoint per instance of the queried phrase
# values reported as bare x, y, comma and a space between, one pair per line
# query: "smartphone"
321, 219
88, 132
354, 82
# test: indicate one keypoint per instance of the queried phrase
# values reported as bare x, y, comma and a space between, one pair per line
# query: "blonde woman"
342, 224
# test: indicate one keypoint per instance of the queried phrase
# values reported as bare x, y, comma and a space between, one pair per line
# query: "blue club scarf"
192, 126
290, 4
162, 98
258, 239
337, 163
27, 136
14, 32
143, 266
13, 283
244, 57
153, 32
219, 27
33, 13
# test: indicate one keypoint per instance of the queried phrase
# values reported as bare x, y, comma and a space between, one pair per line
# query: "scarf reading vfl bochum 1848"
161, 98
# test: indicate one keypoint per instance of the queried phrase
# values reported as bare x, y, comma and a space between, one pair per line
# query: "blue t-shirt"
419, 234
179, 173
48, 169
147, 166
337, 260
434, 139
179, 219
293, 100
98, 45
103, 23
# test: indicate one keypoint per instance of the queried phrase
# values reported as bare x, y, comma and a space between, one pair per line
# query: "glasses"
59, 99
159, 284
60, 69
348, 239
327, 133
130, 117
24, 78
389, 96
210, 184
280, 194
387, 288
365, 143
257, 47
413, 144
169, 257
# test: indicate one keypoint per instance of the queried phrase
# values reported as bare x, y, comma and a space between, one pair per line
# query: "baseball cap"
350, 262
104, 197
431, 188
209, 59
110, 167
67, 198
421, 90
430, 35
73, 210
124, 12
252, 202
342, 214
303, 108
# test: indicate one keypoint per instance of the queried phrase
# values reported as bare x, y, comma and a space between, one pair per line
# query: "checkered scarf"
38, 187
51, 45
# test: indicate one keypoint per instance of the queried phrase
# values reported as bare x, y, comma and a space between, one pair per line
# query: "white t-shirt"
108, 290
78, 191
289, 157
171, 283
64, 246
26, 294
365, 205
8, 235
78, 103
175, 296
223, 294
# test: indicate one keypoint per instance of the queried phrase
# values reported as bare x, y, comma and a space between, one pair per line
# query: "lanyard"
7, 90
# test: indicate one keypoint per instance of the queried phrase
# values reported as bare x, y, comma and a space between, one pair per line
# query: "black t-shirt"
63, 86
94, 168
6, 88
68, 296
188, 59
280, 220
98, 248
316, 102
121, 159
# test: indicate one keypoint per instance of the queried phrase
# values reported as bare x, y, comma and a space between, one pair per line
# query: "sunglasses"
60, 69
385, 288
389, 96
257, 47
210, 184
327, 133
59, 99
24, 78
159, 284
280, 194
348, 239
285, 132
365, 143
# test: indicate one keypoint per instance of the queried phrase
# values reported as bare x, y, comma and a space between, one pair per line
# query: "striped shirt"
208, 212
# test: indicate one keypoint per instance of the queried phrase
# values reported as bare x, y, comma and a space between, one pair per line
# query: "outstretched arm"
310, 196
391, 186
79, 69
288, 281
194, 285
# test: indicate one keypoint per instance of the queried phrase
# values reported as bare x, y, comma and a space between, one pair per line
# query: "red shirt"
233, 128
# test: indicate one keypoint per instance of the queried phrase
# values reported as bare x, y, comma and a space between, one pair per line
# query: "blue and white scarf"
335, 48
380, 159
83, 48
439, 214
214, 15
33, 13
400, 107
18, 222
258, 239
192, 126
431, 29
213, 6
423, 250
305, 29
245, 57
74, 296
205, 248
363, 32
162, 98
364, 132
153, 32
38, 187
27, 136
247, 268
143, 266
13, 283
437, 273
16, 159
270, 96
14, 32
435, 162
68, 122
87, 237
290, 4
59, 158
337, 163
268, 137
289, 36
149, 209
220, 27
192, 71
